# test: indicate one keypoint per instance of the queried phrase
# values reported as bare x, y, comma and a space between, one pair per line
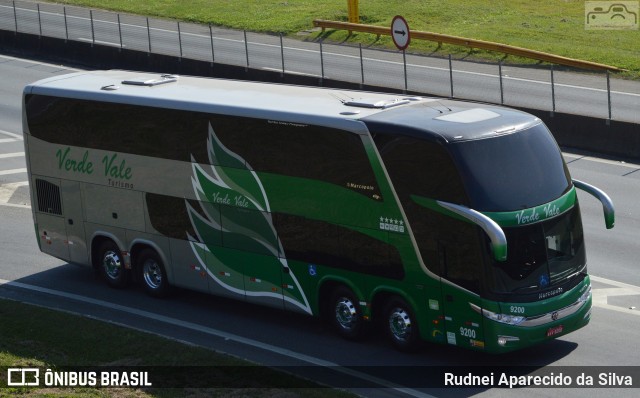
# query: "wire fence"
539, 87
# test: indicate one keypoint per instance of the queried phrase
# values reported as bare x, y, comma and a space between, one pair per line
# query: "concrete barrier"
612, 138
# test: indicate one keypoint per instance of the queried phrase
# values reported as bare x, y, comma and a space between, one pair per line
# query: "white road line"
290, 72
12, 171
382, 61
108, 43
15, 137
621, 289
218, 333
19, 206
35, 63
7, 190
575, 158
11, 155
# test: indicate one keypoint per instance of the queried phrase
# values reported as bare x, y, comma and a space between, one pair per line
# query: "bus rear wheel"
152, 273
112, 265
400, 325
346, 315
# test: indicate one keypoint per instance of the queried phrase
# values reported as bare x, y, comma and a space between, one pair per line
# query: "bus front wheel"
152, 273
346, 315
112, 265
400, 325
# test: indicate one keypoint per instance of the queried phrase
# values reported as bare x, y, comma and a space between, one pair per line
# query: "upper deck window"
306, 151
512, 172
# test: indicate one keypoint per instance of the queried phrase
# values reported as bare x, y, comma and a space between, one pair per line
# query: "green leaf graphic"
235, 232
250, 187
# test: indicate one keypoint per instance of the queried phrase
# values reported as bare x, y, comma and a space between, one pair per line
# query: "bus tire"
400, 324
112, 265
152, 273
346, 315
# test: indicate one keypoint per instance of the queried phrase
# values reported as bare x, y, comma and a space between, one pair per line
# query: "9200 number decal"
468, 332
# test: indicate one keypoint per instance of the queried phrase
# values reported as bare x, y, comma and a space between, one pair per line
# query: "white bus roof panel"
349, 110
241, 98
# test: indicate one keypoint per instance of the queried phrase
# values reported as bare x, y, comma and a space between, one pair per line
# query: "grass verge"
31, 336
553, 26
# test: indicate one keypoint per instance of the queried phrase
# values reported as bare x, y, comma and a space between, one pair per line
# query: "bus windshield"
512, 172
541, 256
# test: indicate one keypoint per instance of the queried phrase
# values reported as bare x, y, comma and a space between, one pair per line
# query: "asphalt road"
577, 93
305, 345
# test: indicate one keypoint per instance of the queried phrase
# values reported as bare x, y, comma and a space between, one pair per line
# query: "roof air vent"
142, 81
376, 103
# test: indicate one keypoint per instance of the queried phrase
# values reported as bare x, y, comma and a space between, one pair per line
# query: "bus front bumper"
501, 338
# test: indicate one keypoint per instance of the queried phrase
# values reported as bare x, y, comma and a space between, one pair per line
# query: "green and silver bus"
436, 220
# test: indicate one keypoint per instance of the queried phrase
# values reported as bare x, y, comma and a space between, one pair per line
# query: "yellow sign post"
354, 14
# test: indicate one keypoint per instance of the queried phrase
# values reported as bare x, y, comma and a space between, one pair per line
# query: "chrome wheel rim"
112, 264
400, 324
346, 314
152, 274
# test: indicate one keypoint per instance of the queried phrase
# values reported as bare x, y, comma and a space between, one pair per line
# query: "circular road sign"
400, 32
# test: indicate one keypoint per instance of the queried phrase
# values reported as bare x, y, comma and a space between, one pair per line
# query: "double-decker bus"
437, 220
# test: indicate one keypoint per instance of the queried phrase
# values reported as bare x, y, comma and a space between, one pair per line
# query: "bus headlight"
585, 296
503, 318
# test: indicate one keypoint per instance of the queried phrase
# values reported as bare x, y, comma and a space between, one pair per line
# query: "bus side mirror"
607, 204
490, 227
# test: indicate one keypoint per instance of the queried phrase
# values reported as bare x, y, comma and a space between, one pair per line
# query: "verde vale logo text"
113, 167
537, 214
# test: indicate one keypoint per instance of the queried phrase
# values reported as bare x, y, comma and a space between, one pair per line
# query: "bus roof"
430, 118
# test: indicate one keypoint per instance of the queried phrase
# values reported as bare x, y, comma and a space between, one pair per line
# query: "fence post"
213, 56
451, 75
66, 26
321, 64
246, 49
361, 67
93, 35
501, 87
282, 54
609, 96
119, 31
180, 40
39, 20
553, 93
148, 37
15, 17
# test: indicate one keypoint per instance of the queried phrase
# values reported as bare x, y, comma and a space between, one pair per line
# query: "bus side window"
305, 151
422, 168
461, 259
140, 130
338, 246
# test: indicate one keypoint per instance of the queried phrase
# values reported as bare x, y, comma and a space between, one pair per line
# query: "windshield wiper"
582, 271
523, 288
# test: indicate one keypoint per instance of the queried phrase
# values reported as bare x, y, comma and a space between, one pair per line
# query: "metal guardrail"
473, 43
540, 87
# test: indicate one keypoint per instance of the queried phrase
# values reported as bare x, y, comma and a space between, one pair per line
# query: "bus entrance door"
463, 323
74, 221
